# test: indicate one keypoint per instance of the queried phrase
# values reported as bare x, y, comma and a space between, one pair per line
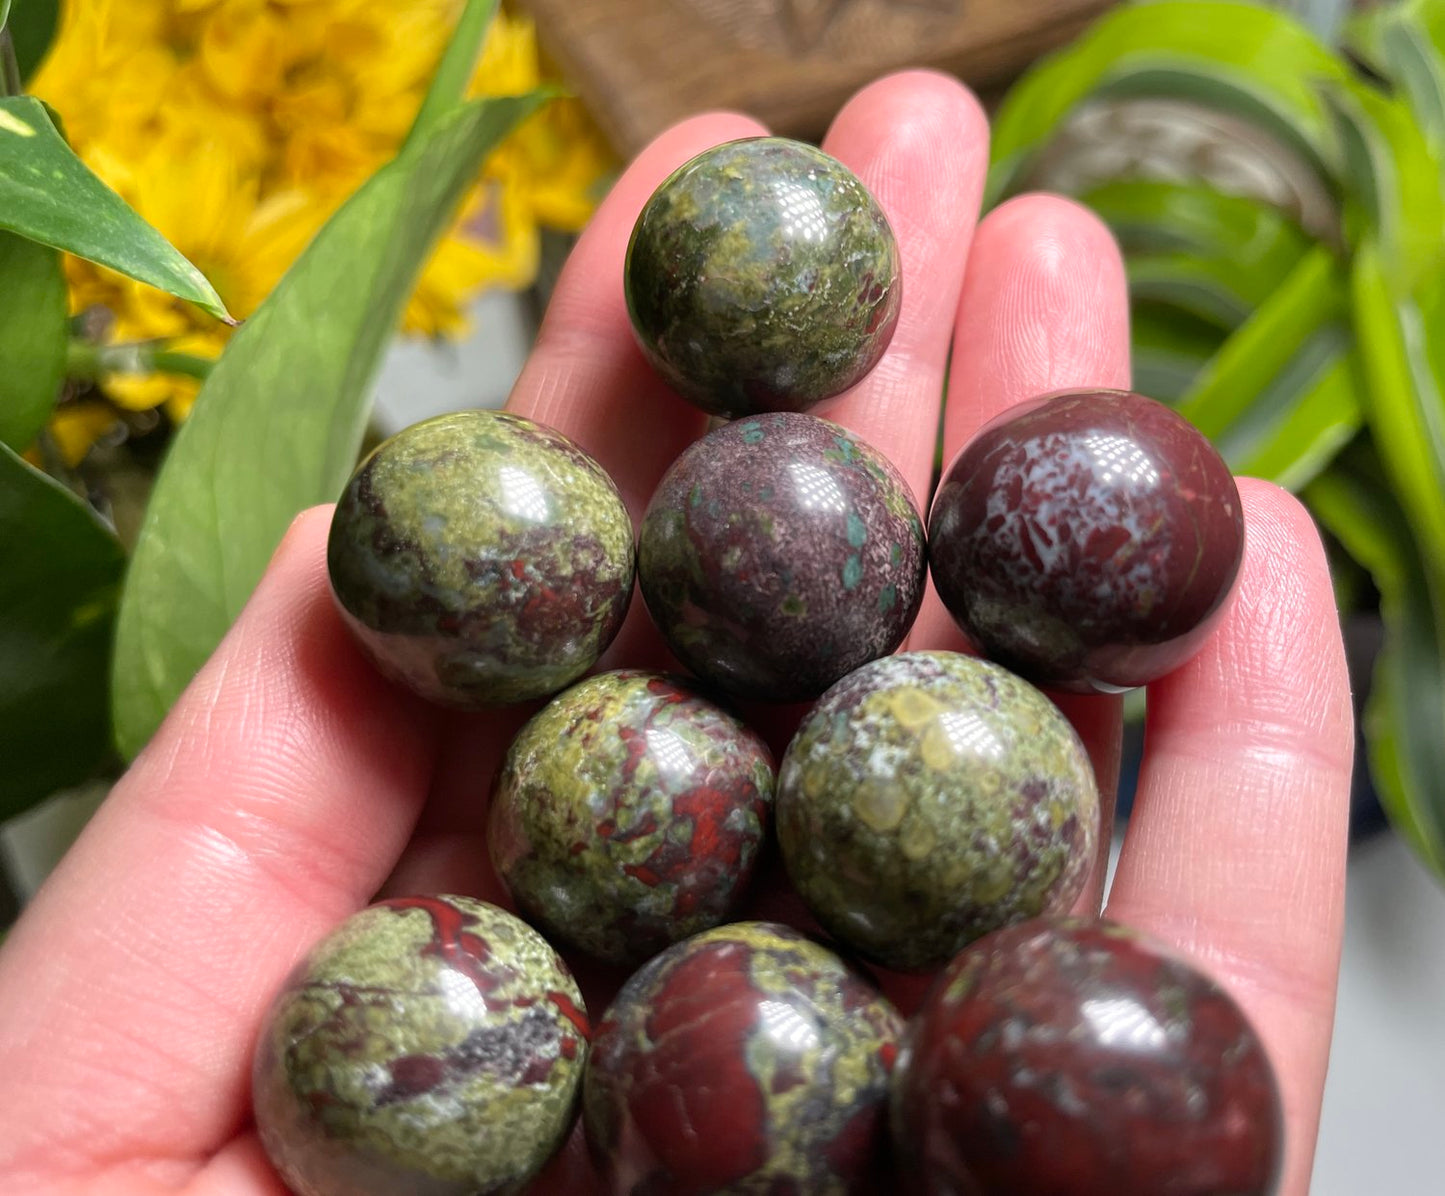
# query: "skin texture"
929, 798
481, 559
745, 1060
1087, 541
429, 1044
1068, 1058
762, 276
780, 553
291, 782
629, 814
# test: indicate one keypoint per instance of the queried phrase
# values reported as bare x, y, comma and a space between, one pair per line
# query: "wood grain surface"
640, 65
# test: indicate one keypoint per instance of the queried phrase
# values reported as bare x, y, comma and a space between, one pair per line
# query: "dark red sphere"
745, 1059
1070, 1058
1087, 540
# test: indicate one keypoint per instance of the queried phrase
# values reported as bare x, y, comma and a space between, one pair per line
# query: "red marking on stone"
577, 849
537, 1071
466, 952
519, 569
568, 1009
412, 1075
643, 873
569, 1047
888, 1053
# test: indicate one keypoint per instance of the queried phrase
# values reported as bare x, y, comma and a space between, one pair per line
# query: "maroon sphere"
745, 1059
1070, 1058
1088, 540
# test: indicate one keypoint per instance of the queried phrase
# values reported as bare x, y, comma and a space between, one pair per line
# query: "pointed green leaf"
1402, 350
32, 26
449, 84
1405, 716
58, 592
1405, 43
1242, 58
33, 334
278, 424
1393, 184
1281, 397
49, 195
4, 13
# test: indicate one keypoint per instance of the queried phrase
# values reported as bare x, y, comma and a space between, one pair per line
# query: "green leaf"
1281, 396
33, 333
454, 72
49, 195
58, 592
1403, 357
1405, 717
1170, 349
1242, 58
4, 12
32, 26
278, 424
1216, 256
1394, 193
1405, 43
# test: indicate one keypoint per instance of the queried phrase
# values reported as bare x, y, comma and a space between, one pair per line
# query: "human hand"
291, 784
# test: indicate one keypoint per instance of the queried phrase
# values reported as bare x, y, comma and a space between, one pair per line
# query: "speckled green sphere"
429, 1045
481, 559
929, 798
762, 276
629, 813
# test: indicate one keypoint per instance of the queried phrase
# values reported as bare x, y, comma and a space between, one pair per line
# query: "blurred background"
1274, 173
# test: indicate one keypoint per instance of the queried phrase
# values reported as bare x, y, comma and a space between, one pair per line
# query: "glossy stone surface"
1064, 1058
481, 559
929, 798
745, 1060
1087, 540
779, 553
629, 814
762, 276
429, 1045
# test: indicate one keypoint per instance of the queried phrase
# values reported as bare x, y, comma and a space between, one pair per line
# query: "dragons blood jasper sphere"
745, 1059
929, 798
481, 559
1087, 540
779, 553
1065, 1058
629, 814
762, 276
432, 1045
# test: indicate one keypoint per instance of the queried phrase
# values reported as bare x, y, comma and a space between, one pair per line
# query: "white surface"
1384, 1107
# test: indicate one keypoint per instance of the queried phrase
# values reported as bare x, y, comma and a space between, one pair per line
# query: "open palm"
291, 784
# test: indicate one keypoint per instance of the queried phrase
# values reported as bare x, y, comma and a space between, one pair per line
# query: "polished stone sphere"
1087, 540
1071, 1058
929, 798
762, 276
629, 813
780, 552
481, 559
432, 1045
745, 1059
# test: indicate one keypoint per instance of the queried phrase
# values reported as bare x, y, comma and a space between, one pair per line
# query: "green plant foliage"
58, 592
277, 425
1241, 58
32, 26
49, 195
1405, 716
33, 331
1279, 398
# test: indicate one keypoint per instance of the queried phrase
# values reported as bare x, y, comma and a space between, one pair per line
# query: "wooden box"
640, 65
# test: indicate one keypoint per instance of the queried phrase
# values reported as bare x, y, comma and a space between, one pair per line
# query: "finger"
1235, 851
586, 377
1045, 306
271, 803
919, 142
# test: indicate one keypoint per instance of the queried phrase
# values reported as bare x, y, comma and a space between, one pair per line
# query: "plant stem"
10, 81
88, 362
